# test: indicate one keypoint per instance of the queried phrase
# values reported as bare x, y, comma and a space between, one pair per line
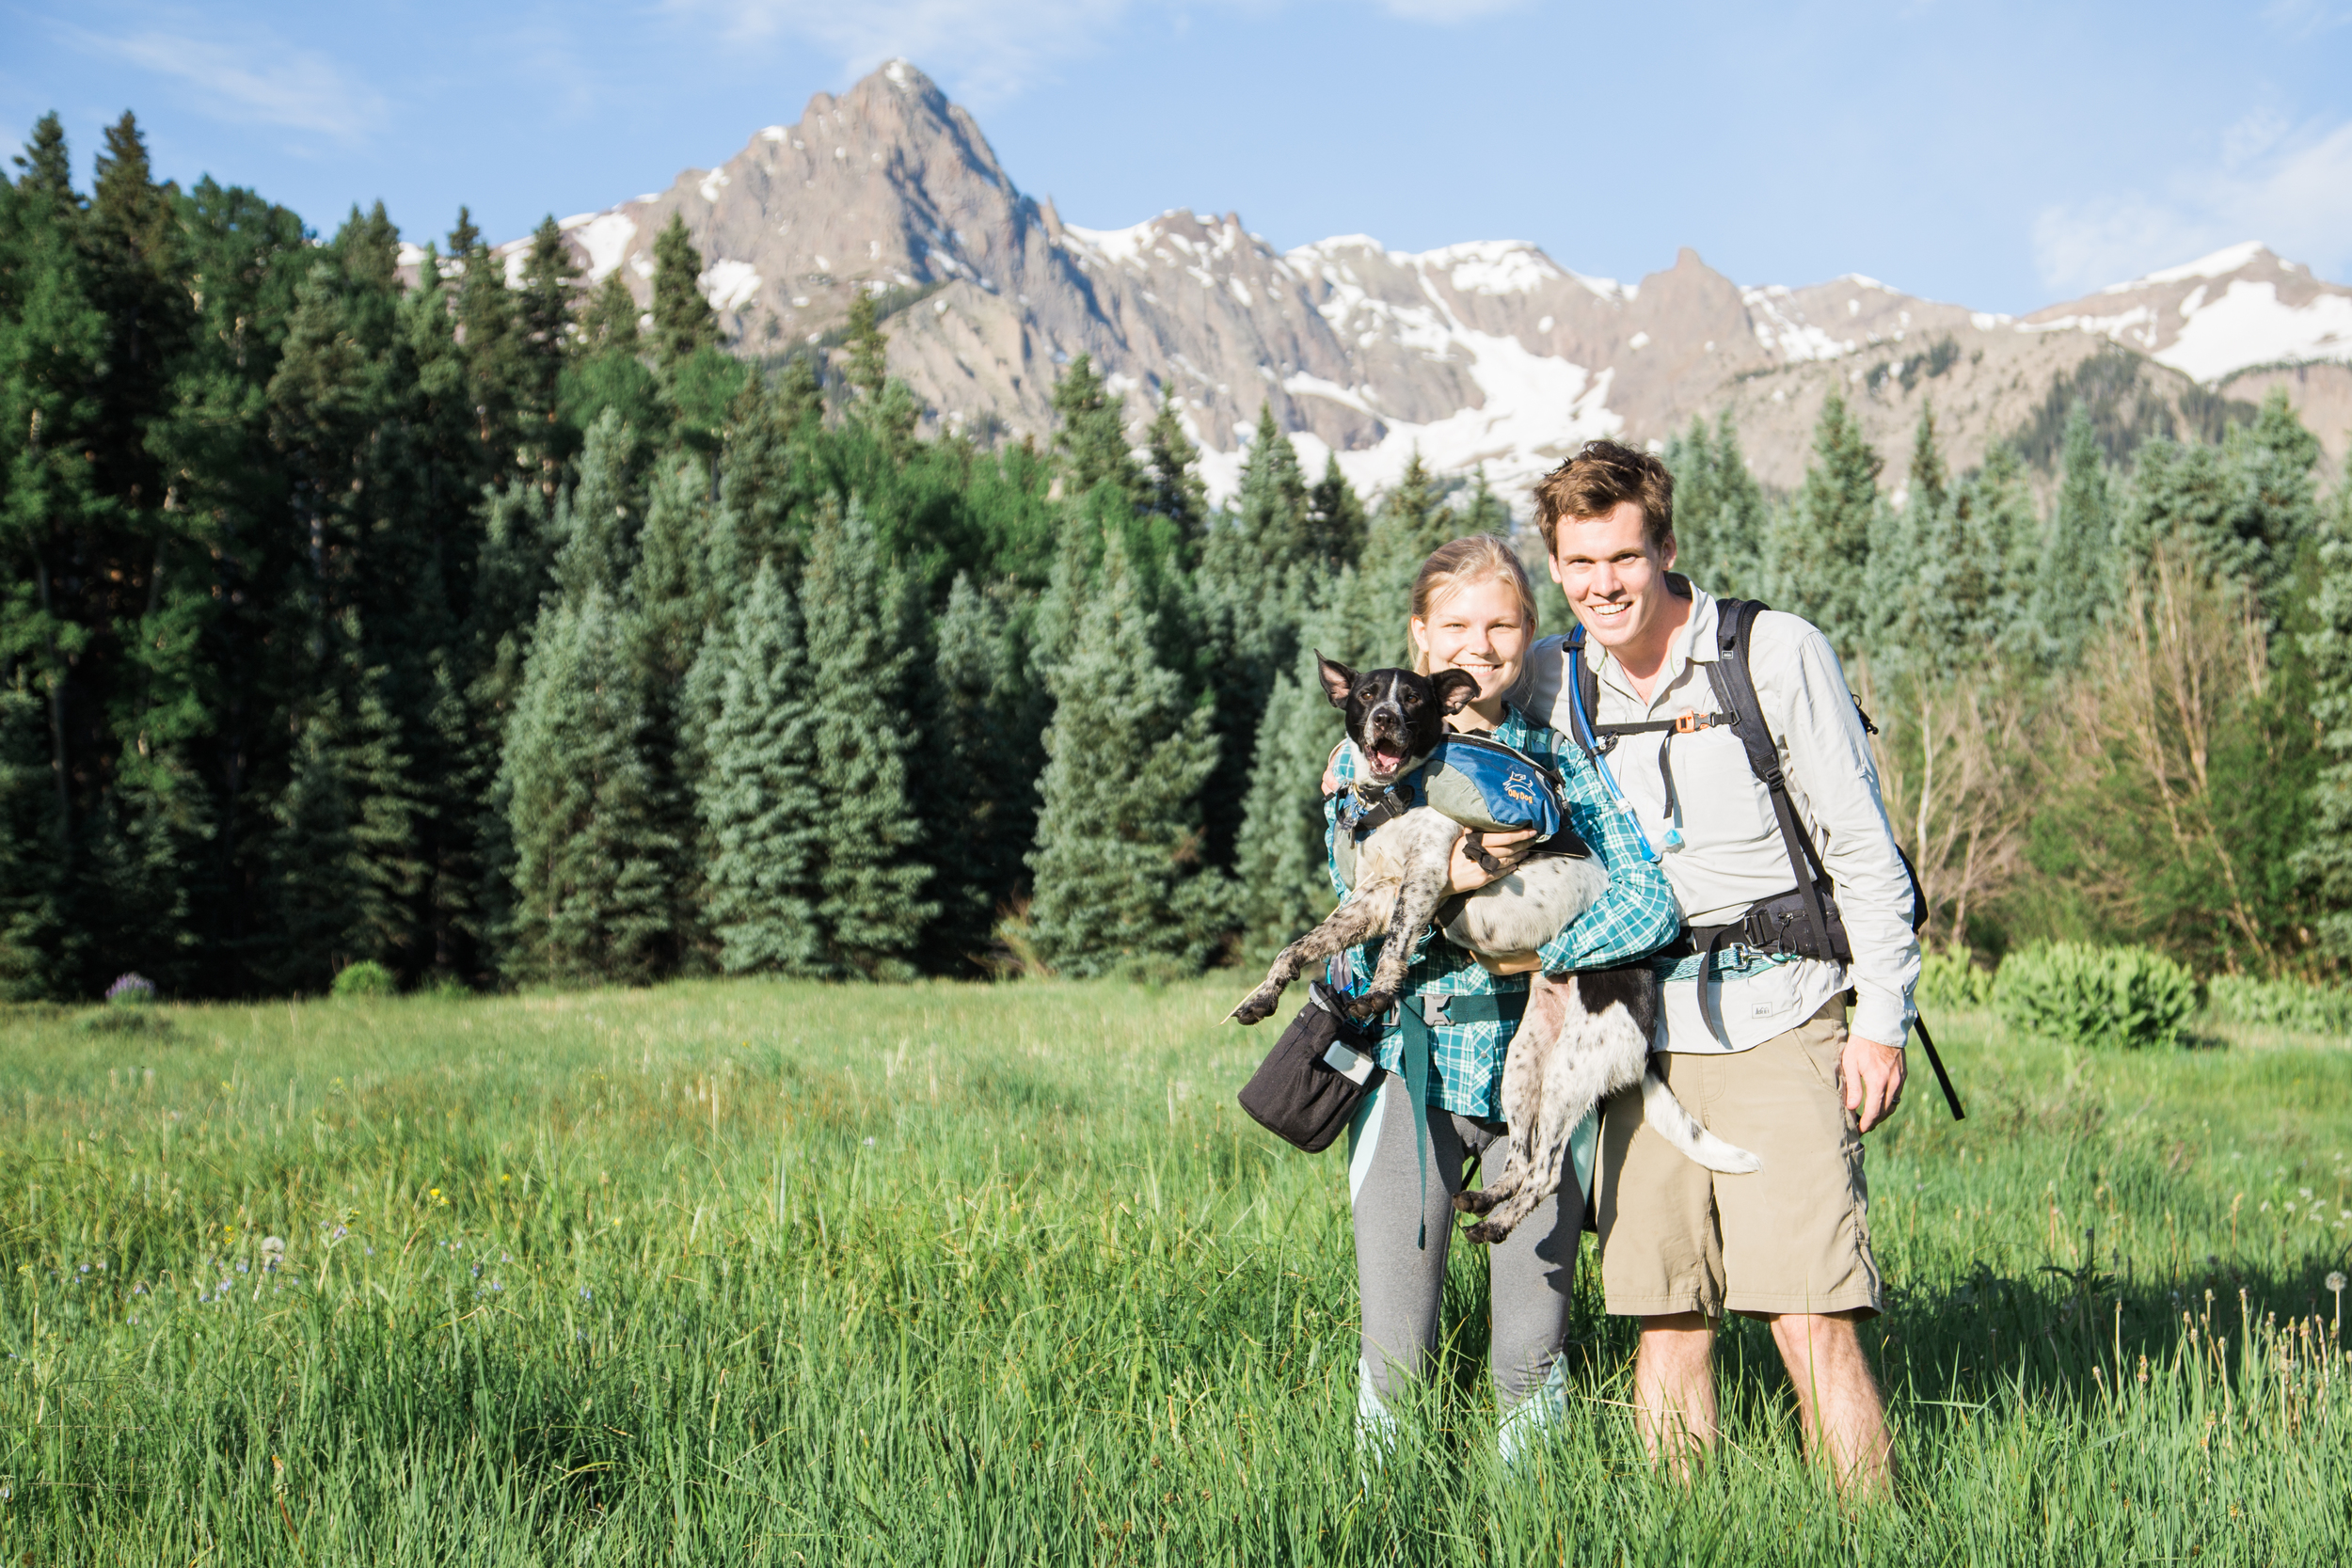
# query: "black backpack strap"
1735, 687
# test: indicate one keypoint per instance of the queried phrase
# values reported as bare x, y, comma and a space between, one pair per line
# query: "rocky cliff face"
1488, 353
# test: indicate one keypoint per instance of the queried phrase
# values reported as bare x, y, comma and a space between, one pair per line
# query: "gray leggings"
1403, 1280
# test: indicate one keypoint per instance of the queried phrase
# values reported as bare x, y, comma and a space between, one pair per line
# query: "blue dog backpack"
1479, 783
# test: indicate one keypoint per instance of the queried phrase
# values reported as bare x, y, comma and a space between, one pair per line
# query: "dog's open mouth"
1385, 756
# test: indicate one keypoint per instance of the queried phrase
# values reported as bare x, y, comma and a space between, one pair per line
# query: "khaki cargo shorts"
1793, 1236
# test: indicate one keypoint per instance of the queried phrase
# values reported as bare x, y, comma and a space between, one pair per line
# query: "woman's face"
1479, 628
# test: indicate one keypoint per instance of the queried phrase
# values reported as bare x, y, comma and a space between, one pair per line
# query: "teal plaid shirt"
1636, 915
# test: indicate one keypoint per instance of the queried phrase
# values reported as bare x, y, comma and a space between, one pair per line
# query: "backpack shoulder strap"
1735, 687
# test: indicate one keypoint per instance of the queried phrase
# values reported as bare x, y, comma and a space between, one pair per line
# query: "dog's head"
1394, 717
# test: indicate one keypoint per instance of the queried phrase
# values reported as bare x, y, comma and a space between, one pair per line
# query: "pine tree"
1818, 553
544, 340
1172, 489
1257, 574
1336, 523
885, 408
486, 313
609, 325
594, 528
2245, 507
1119, 885
683, 320
2077, 580
762, 808
1278, 862
1092, 439
592, 865
868, 369
1483, 512
2326, 857
1721, 516
985, 719
863, 634
1931, 478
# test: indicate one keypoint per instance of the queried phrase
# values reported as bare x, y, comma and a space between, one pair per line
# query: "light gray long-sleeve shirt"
1731, 853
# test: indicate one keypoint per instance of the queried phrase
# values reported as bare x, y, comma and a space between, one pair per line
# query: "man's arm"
1803, 689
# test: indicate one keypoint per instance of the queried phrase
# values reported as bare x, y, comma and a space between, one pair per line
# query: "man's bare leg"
1673, 1388
1837, 1398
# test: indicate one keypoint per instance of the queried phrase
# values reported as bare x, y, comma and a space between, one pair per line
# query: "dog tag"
1348, 1062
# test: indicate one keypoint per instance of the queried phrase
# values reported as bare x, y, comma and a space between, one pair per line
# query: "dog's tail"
1671, 1122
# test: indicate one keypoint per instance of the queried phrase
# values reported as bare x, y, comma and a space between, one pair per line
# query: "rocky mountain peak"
1488, 353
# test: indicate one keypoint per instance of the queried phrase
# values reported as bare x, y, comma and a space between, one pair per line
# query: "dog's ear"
1338, 680
1454, 690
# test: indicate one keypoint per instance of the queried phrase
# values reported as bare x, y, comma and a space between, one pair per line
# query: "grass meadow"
778, 1274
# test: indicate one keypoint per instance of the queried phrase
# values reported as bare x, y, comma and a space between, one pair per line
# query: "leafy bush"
2098, 996
2287, 1004
131, 990
1950, 979
365, 978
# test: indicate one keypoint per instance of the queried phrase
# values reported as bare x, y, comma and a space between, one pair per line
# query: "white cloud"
256, 80
993, 48
2290, 188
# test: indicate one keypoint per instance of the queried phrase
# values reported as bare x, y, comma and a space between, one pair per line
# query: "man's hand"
1872, 1076
1512, 963
1466, 875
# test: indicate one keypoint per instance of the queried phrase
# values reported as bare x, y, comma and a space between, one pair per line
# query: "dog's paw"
1371, 1004
1475, 1202
1256, 1007
1486, 1233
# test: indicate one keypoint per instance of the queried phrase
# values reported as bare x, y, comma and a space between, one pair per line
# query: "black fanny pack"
1308, 1088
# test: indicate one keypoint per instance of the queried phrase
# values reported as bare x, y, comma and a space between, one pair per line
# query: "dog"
1584, 1036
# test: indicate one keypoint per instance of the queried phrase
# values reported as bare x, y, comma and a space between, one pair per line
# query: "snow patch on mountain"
2250, 325
730, 285
604, 237
2219, 264
1783, 332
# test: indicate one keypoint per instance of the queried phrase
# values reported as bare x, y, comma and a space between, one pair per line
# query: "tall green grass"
939, 1274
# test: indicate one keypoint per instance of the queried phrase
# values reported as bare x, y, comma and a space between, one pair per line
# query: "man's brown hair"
1599, 480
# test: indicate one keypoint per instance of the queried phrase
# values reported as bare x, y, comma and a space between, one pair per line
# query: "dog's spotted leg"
1418, 893
1525, 1067
1356, 920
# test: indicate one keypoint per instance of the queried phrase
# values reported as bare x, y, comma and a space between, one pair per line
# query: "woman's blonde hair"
1458, 564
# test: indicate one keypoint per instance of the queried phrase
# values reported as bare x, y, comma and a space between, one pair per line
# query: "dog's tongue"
1388, 758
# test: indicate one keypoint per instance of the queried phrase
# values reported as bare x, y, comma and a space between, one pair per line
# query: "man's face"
1615, 582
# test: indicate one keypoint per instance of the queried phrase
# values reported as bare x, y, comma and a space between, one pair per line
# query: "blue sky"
2000, 154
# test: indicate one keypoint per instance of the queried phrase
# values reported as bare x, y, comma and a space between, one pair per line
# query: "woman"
1473, 610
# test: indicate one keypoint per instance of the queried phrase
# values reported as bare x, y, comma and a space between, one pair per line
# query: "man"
1767, 1060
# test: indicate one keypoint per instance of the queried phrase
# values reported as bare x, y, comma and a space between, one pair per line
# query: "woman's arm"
1637, 914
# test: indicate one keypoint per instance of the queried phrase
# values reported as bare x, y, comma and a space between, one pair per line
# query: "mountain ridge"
1481, 353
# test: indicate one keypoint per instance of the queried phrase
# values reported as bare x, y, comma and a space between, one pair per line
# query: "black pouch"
1310, 1083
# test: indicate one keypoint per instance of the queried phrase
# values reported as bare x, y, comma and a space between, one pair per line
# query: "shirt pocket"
1721, 802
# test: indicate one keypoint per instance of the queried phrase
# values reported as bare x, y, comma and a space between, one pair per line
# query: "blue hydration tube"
1591, 743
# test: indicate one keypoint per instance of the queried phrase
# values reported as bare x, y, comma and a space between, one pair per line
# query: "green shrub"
2287, 1004
365, 978
2097, 996
1950, 979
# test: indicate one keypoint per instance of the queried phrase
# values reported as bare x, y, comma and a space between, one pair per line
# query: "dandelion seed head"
2335, 1279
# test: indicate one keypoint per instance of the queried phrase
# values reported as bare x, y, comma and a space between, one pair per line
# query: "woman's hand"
1466, 875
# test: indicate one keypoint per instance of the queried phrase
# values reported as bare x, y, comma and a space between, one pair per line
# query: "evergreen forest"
496, 628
